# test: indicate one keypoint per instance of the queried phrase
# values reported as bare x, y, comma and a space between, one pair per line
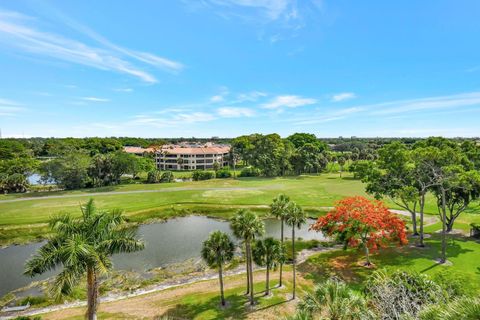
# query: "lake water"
173, 241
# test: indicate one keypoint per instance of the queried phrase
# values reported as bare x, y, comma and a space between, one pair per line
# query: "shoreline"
211, 275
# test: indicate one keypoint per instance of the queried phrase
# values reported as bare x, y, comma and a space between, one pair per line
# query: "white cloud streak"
233, 112
95, 99
14, 32
343, 96
288, 101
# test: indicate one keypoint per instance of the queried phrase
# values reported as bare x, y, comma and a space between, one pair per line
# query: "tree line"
440, 167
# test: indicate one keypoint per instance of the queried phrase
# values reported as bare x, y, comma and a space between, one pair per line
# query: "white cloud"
14, 32
217, 98
123, 90
343, 96
432, 103
273, 9
331, 116
9, 107
289, 101
233, 112
250, 96
194, 117
95, 99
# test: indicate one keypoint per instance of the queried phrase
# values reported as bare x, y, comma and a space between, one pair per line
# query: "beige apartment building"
187, 156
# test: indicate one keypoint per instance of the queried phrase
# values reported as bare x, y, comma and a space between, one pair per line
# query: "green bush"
467, 308
154, 176
250, 172
167, 176
223, 173
202, 175
33, 300
401, 293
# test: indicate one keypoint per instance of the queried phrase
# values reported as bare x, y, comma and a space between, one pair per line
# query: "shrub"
154, 176
250, 172
202, 175
33, 300
467, 308
402, 294
223, 173
167, 176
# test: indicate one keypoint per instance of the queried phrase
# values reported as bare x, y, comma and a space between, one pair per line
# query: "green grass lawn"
218, 198
462, 252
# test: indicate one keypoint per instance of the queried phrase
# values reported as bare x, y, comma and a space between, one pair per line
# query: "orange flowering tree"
360, 223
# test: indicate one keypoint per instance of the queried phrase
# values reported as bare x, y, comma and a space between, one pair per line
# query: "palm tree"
83, 246
246, 225
268, 253
295, 218
278, 209
217, 250
334, 300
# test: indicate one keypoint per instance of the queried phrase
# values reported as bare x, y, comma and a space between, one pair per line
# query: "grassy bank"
200, 300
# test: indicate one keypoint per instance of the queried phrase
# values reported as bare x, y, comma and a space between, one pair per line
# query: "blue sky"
229, 67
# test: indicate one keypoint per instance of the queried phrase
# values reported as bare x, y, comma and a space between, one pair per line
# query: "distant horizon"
234, 67
222, 138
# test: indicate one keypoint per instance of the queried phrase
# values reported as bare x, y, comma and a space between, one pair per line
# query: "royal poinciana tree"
360, 223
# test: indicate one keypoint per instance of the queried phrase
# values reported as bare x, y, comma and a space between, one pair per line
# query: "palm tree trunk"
92, 294
281, 264
249, 249
220, 277
267, 284
294, 261
247, 266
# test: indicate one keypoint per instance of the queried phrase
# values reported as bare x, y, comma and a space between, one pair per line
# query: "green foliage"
69, 171
250, 172
82, 246
154, 176
10, 149
33, 300
361, 169
223, 173
465, 308
401, 293
269, 253
218, 249
301, 139
13, 183
199, 175
333, 300
167, 176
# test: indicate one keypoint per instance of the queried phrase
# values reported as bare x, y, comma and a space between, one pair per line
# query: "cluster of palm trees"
83, 246
218, 249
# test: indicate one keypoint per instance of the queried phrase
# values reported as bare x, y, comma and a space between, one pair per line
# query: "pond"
173, 241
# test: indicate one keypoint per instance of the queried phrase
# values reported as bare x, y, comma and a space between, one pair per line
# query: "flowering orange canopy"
357, 221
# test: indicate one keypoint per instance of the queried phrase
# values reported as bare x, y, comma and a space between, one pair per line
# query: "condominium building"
191, 157
186, 156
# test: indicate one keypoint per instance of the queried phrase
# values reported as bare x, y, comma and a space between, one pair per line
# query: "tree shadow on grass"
237, 308
345, 263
